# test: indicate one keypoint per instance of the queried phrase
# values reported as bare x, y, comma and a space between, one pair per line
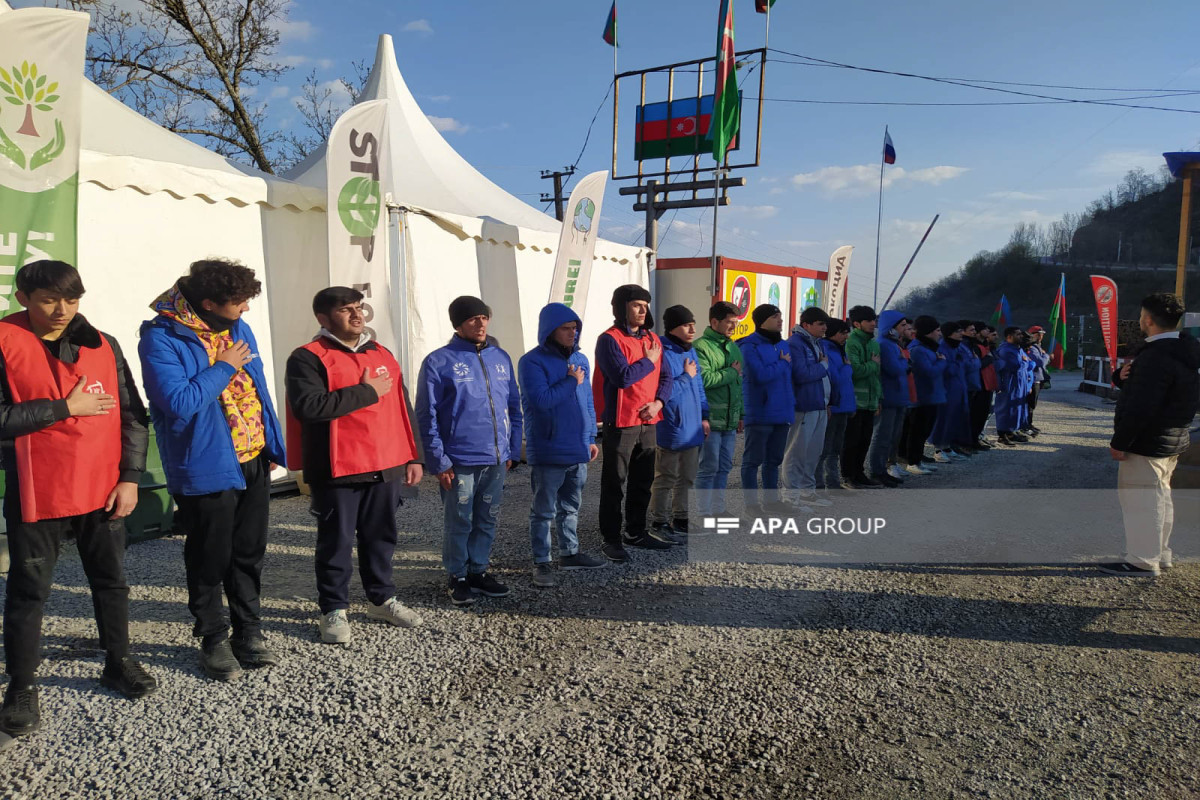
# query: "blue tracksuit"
971, 368
929, 372
841, 394
808, 374
953, 426
560, 417
1012, 370
681, 426
893, 366
767, 393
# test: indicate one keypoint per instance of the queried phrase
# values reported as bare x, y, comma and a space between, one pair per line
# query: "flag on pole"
889, 152
610, 27
761, 6
726, 118
1058, 326
1002, 316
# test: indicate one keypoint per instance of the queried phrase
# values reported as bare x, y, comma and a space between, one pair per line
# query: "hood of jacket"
887, 321
554, 316
1185, 350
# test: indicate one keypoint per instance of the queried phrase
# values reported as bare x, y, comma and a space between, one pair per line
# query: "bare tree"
193, 66
320, 105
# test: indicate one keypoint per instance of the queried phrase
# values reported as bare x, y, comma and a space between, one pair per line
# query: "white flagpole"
767, 38
879, 222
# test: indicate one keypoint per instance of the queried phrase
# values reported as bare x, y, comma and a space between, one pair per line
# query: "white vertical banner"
835, 283
357, 167
577, 244
41, 77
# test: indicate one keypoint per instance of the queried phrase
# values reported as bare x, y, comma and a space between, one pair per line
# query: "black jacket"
315, 406
1159, 399
21, 419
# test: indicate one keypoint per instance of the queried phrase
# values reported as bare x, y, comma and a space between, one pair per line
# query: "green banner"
33, 226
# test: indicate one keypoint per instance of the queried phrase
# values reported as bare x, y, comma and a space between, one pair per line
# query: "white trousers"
1144, 488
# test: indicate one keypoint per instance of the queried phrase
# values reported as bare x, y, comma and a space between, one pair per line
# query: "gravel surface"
661, 678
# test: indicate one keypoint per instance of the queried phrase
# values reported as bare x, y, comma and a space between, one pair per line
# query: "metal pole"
717, 173
910, 263
1185, 219
878, 228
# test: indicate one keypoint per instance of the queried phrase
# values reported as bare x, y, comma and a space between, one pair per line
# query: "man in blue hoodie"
219, 438
560, 438
770, 407
893, 405
1011, 369
469, 417
681, 430
811, 388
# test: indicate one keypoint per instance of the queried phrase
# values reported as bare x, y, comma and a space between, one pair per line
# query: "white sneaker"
895, 471
334, 627
814, 500
915, 469
941, 457
395, 613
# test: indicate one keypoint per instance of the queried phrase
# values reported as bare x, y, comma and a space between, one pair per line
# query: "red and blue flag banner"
1002, 316
1058, 326
675, 128
889, 151
727, 102
610, 27
761, 6
1105, 290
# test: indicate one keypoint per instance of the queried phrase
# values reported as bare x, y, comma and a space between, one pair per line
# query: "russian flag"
889, 151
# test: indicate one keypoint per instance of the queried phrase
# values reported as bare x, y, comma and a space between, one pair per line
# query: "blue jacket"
929, 371
953, 425
893, 366
184, 391
808, 374
841, 374
681, 427
971, 366
1012, 368
468, 406
766, 382
560, 417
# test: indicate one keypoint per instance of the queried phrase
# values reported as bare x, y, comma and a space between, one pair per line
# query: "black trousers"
34, 547
981, 407
859, 428
626, 474
362, 512
225, 546
1033, 398
920, 425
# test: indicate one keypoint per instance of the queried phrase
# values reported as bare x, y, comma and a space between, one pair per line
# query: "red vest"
70, 467
371, 439
991, 381
631, 398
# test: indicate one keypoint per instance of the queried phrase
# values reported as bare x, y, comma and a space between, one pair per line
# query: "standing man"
1041, 360
681, 430
560, 439
469, 416
219, 439
929, 373
841, 404
73, 442
350, 432
770, 404
981, 404
893, 401
1010, 399
631, 387
953, 425
862, 351
1158, 400
720, 361
811, 387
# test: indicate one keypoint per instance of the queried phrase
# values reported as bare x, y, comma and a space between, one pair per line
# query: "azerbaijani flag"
1002, 316
1058, 326
889, 152
727, 111
675, 128
610, 27
761, 6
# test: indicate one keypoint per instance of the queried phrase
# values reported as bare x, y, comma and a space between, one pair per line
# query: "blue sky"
515, 84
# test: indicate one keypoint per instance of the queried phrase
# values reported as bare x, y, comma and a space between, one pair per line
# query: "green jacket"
868, 387
722, 383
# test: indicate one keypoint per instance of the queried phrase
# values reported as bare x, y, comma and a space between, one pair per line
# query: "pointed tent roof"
430, 174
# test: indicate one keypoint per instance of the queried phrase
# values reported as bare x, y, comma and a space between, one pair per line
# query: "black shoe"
887, 481
460, 592
484, 583
928, 460
753, 511
1017, 436
1005, 439
1127, 570
863, 482
646, 542
219, 662
663, 532
1033, 429
680, 526
847, 486
129, 678
20, 715
251, 651
615, 553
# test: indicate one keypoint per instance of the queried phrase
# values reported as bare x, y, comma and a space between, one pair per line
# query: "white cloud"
297, 30
280, 91
438, 98
324, 63
1116, 163
1014, 196
293, 61
864, 177
448, 124
797, 244
756, 212
776, 190
420, 26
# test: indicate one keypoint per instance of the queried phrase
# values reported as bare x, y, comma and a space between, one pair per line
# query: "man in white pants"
811, 387
1159, 391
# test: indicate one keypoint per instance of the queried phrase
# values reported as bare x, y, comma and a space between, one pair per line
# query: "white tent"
463, 234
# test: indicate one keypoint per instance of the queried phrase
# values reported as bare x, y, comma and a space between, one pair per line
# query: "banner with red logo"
1106, 306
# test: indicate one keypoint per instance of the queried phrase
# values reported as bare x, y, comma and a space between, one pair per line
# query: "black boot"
20, 715
129, 678
218, 661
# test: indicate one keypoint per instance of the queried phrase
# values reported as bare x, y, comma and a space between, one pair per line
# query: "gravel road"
660, 679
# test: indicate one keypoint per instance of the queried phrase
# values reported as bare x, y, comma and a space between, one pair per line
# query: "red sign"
740, 296
1106, 306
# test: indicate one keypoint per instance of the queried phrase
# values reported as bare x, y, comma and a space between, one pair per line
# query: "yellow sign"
740, 288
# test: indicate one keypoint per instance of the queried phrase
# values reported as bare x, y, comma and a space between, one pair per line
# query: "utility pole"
558, 177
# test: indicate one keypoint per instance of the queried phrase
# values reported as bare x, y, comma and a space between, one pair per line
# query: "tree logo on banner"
24, 86
358, 206
581, 222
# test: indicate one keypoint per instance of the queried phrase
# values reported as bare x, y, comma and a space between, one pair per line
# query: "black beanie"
627, 294
949, 328
464, 307
675, 316
763, 313
925, 325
